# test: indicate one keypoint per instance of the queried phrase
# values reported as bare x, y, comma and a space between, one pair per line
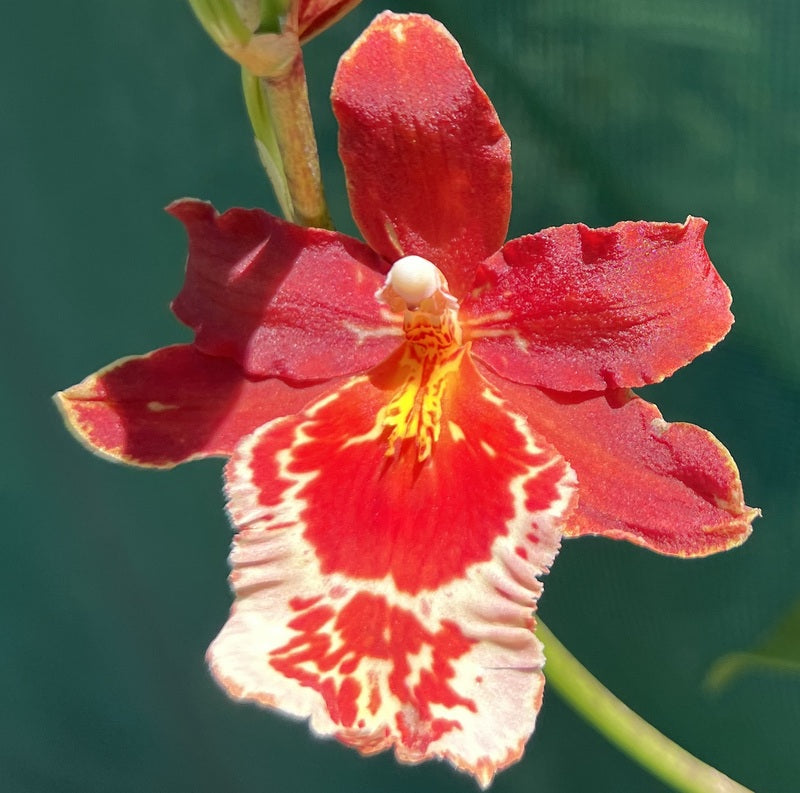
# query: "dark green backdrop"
113, 579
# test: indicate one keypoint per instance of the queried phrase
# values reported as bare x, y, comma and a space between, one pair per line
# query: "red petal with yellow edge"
174, 405
281, 300
390, 601
672, 488
428, 164
574, 308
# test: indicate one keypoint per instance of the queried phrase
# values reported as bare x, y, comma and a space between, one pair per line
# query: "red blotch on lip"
418, 522
329, 648
301, 604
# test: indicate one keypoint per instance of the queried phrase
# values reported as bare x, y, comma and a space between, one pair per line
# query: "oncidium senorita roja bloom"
415, 423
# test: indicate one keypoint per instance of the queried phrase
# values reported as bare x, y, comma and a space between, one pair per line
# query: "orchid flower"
414, 423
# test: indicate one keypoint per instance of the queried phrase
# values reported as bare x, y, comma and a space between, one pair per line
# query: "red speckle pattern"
333, 653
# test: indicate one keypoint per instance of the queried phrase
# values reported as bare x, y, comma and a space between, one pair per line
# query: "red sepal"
574, 308
174, 405
672, 488
428, 164
281, 300
388, 600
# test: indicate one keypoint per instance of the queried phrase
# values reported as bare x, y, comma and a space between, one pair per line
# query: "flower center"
428, 359
414, 279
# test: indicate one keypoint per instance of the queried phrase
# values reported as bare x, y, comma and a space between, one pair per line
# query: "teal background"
112, 580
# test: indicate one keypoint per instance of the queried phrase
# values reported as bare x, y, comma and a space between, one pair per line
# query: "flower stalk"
264, 40
628, 731
266, 140
287, 104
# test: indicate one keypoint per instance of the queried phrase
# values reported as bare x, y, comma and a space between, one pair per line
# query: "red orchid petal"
574, 308
281, 300
391, 600
428, 164
672, 488
314, 16
173, 405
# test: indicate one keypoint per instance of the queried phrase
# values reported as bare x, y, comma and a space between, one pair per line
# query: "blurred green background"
113, 579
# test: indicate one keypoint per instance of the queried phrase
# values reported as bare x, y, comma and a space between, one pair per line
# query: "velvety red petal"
314, 16
428, 165
672, 488
281, 300
388, 600
173, 405
574, 308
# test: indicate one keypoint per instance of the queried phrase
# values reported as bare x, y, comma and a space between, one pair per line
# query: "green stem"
625, 729
221, 21
266, 142
276, 94
287, 100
